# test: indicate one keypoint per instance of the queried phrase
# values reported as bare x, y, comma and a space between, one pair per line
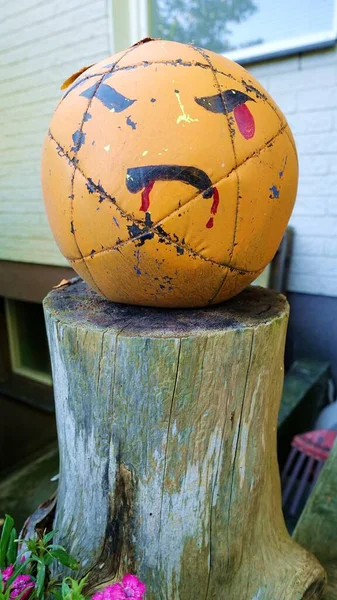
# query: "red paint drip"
146, 197
215, 204
214, 207
245, 121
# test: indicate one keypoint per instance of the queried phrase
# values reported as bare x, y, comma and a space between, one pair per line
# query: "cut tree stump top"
77, 305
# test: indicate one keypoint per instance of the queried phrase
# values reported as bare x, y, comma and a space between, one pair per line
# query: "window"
244, 30
28, 344
25, 371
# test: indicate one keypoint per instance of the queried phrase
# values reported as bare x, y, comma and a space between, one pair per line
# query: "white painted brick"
30, 109
332, 203
46, 77
320, 58
29, 140
41, 94
311, 121
316, 143
41, 45
19, 206
316, 284
286, 101
310, 205
11, 9
323, 226
88, 54
272, 67
264, 82
62, 44
317, 164
36, 13
330, 247
326, 265
306, 80
66, 23
308, 245
317, 98
317, 186
32, 252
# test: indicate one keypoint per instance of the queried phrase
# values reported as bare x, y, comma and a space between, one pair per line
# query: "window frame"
14, 385
137, 25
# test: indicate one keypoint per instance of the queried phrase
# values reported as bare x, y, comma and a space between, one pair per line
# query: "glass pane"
224, 25
28, 340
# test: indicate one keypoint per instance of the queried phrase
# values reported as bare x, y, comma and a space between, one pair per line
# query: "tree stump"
167, 432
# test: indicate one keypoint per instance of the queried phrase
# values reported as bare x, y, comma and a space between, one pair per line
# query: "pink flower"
22, 586
7, 573
134, 588
131, 587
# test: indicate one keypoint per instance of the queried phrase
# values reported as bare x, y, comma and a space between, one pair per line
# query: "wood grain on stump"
167, 432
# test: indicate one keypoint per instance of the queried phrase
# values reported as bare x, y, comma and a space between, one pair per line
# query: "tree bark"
167, 433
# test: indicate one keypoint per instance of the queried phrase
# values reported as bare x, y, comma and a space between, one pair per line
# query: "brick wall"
305, 88
41, 44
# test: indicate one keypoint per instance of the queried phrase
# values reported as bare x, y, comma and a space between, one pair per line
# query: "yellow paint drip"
184, 117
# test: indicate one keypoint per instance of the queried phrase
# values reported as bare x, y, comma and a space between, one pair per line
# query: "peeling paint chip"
61, 284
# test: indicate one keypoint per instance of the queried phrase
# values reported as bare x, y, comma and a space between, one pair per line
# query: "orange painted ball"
169, 176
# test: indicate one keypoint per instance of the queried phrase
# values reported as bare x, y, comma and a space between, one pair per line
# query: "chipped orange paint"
169, 176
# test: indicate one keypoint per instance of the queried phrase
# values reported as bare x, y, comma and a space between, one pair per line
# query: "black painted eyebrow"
109, 97
224, 102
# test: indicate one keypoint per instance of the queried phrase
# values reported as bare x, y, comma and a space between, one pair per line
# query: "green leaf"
12, 548
65, 589
64, 558
48, 559
82, 582
40, 579
56, 593
35, 558
32, 545
4, 540
48, 536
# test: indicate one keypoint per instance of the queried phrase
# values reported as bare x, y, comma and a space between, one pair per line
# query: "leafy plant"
70, 589
25, 571
8, 544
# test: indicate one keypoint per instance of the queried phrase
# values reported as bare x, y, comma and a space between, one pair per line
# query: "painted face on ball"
169, 176
142, 179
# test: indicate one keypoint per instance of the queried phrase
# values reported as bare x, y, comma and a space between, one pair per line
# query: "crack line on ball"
187, 249
99, 190
206, 57
174, 63
77, 146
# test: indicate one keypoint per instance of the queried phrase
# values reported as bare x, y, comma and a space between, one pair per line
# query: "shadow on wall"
312, 331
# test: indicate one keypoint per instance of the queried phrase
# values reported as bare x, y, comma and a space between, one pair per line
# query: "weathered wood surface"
317, 527
167, 433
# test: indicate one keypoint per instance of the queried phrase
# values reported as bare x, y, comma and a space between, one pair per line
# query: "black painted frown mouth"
138, 178
144, 178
